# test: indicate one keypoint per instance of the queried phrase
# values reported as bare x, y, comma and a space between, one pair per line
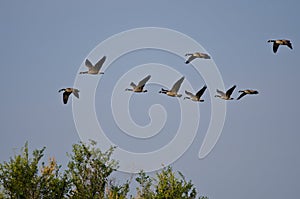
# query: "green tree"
20, 177
88, 176
114, 191
89, 170
145, 190
166, 185
52, 183
170, 186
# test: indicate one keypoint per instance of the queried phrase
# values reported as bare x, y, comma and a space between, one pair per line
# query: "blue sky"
43, 45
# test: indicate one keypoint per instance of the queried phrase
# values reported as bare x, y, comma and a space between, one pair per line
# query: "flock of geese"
173, 92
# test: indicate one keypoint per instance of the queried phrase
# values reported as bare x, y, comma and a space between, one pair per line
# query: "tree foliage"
89, 170
20, 177
166, 185
88, 176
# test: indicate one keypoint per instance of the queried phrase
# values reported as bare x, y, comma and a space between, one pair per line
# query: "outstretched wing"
241, 95
177, 85
189, 93
229, 92
220, 92
275, 47
191, 58
88, 64
205, 56
289, 44
76, 92
201, 91
132, 85
66, 97
143, 81
99, 64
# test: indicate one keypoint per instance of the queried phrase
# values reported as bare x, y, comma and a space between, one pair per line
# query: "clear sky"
43, 45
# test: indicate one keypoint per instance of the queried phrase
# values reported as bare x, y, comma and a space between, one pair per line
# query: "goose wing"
241, 95
275, 47
229, 92
88, 64
99, 64
191, 58
132, 85
76, 92
189, 93
66, 97
289, 44
143, 81
205, 56
201, 91
220, 92
177, 85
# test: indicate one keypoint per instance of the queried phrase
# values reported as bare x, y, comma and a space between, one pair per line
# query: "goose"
140, 87
278, 42
197, 96
196, 55
67, 92
245, 92
226, 96
174, 89
94, 70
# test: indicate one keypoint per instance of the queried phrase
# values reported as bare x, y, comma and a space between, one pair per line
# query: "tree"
89, 170
114, 191
88, 176
53, 184
166, 185
145, 190
170, 186
20, 177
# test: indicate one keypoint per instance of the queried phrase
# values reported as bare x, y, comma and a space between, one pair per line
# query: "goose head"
164, 91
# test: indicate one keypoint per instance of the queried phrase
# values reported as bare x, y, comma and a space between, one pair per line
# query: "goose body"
246, 92
94, 69
227, 95
67, 93
195, 55
140, 87
278, 42
197, 96
174, 90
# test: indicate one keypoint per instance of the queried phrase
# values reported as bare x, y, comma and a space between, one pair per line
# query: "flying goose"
67, 92
196, 55
139, 88
94, 70
226, 96
245, 92
174, 90
278, 42
197, 96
